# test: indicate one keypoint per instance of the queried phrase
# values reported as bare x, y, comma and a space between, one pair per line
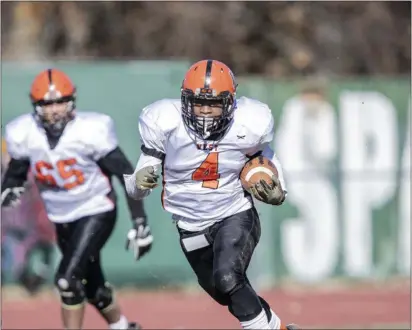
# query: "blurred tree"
274, 38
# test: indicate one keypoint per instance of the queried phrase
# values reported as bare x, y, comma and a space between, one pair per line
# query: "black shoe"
134, 326
293, 327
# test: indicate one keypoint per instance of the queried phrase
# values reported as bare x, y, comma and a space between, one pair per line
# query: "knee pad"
220, 298
71, 290
103, 297
245, 304
227, 280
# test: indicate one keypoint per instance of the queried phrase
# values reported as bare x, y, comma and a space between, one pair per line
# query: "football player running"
73, 157
202, 142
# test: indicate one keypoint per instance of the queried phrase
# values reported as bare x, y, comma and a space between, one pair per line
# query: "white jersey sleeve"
263, 144
105, 138
258, 119
130, 179
16, 136
152, 129
267, 134
155, 123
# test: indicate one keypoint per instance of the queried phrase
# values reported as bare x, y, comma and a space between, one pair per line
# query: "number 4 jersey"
70, 181
201, 178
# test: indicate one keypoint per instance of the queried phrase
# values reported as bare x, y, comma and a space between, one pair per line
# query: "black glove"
10, 197
139, 238
270, 194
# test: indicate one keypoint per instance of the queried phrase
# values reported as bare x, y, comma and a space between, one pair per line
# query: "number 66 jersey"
201, 178
70, 181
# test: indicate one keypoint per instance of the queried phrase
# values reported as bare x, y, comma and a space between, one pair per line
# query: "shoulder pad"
103, 137
165, 113
16, 135
254, 116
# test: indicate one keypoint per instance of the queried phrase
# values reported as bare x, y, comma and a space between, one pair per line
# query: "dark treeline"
271, 38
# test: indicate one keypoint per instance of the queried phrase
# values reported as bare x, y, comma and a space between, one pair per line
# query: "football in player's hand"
257, 169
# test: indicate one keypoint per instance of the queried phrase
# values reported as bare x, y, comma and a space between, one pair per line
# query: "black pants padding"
221, 267
80, 243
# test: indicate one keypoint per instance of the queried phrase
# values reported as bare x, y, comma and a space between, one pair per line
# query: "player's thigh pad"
235, 240
198, 250
85, 241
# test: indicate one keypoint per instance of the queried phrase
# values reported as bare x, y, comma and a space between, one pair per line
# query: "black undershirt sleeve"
116, 163
16, 174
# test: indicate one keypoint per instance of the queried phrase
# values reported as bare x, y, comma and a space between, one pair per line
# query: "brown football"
257, 169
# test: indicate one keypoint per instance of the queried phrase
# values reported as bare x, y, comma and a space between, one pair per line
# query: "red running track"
358, 306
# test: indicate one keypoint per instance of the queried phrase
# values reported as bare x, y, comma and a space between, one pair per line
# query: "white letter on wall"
368, 162
305, 144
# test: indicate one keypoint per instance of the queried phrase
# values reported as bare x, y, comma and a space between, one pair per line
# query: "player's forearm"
16, 174
132, 190
116, 163
136, 207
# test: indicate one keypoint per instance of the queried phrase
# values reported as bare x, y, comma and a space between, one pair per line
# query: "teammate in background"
73, 156
26, 229
202, 143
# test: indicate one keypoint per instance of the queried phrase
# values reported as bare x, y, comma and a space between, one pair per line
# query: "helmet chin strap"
206, 123
206, 134
55, 130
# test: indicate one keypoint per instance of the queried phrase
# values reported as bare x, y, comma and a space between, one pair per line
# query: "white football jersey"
201, 178
70, 181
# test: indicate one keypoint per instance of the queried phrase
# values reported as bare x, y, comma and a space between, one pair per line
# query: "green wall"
122, 89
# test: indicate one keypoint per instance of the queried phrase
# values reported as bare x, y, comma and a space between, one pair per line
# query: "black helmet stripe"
208, 73
49, 73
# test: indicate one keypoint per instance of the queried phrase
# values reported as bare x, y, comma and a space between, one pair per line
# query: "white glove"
10, 197
139, 238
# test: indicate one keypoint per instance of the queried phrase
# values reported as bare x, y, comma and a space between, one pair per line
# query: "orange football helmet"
206, 81
49, 87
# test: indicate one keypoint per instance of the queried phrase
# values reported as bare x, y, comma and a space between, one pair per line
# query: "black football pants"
80, 243
220, 256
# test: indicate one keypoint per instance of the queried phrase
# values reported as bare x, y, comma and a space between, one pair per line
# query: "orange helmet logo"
50, 85
209, 77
